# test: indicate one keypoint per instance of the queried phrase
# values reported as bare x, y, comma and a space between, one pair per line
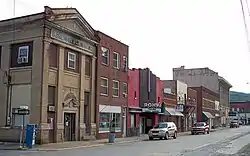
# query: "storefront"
149, 116
209, 118
133, 123
106, 115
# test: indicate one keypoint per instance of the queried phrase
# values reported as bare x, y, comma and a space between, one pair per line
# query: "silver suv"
163, 130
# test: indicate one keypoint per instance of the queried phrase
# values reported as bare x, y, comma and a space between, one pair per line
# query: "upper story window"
116, 60
87, 66
104, 86
105, 56
125, 90
71, 60
115, 88
23, 54
125, 63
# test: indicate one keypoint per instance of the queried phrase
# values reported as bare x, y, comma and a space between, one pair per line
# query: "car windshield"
161, 125
199, 124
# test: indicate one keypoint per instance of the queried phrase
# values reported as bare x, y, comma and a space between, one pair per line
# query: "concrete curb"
96, 144
86, 146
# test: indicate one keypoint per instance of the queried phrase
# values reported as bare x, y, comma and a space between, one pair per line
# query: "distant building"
209, 79
243, 109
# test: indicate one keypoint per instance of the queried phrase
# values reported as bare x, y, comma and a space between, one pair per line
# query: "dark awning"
208, 115
172, 112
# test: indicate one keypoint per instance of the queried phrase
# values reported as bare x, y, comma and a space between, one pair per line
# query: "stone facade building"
49, 59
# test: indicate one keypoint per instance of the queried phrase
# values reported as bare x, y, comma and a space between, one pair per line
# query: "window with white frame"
71, 60
116, 60
23, 54
115, 88
125, 90
105, 56
105, 121
104, 86
125, 63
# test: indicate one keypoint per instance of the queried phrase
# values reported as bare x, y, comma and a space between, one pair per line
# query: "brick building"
112, 85
134, 109
49, 60
207, 109
243, 108
190, 107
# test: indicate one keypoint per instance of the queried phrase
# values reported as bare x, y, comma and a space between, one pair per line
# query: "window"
115, 88
104, 86
116, 60
86, 107
105, 56
23, 54
133, 120
125, 90
159, 99
71, 60
125, 63
105, 120
87, 66
51, 95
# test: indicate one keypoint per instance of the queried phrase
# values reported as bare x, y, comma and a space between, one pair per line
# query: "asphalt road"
220, 143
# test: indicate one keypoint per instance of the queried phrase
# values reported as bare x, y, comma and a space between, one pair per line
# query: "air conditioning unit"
51, 108
21, 60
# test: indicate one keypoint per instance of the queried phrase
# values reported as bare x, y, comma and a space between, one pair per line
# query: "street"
219, 143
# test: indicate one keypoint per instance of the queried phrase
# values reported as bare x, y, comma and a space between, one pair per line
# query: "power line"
245, 24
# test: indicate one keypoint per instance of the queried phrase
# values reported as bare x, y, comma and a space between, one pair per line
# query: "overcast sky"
164, 34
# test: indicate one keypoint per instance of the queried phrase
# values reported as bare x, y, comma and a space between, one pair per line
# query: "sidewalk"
84, 144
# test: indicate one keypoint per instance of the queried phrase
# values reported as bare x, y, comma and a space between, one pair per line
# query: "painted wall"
181, 92
133, 88
159, 90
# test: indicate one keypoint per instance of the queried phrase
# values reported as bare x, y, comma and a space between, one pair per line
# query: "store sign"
66, 38
152, 107
180, 108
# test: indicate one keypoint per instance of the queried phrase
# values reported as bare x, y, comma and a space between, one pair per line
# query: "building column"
59, 109
44, 103
93, 97
82, 125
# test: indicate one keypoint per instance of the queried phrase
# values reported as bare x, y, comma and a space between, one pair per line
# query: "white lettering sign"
152, 105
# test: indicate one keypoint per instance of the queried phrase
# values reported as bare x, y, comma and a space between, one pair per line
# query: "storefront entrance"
69, 126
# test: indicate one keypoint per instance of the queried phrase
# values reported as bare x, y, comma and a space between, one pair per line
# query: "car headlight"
162, 131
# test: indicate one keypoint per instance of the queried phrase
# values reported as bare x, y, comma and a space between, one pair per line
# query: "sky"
164, 34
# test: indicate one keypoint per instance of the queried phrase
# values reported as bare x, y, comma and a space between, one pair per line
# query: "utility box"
30, 135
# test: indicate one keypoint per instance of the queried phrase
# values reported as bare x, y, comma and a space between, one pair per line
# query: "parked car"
234, 124
163, 130
200, 127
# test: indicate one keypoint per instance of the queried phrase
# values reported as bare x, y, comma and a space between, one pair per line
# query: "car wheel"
208, 132
175, 135
204, 132
166, 136
192, 133
151, 138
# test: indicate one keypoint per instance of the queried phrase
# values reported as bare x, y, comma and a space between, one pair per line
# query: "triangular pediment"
71, 19
74, 26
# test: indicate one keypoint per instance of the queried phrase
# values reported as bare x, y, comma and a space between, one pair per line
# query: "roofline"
183, 68
25, 16
225, 81
98, 31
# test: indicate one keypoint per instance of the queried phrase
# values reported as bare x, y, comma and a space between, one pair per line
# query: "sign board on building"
70, 39
20, 111
180, 108
152, 107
